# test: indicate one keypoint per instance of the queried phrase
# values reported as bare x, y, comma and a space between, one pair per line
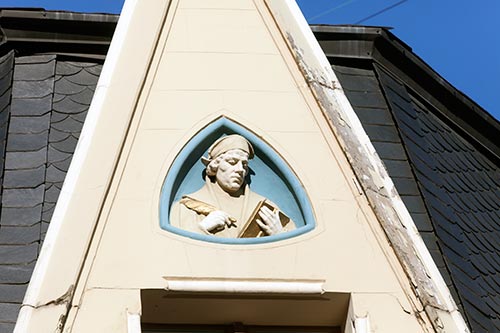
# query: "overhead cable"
381, 11
331, 10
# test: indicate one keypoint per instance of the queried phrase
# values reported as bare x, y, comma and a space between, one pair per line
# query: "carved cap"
226, 143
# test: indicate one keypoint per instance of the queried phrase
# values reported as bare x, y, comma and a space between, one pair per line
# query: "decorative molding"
244, 286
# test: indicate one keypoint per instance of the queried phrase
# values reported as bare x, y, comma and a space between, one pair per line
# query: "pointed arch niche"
269, 176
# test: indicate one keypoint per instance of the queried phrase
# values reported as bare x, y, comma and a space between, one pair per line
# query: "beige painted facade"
182, 65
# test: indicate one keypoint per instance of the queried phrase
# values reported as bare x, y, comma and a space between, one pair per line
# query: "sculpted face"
232, 170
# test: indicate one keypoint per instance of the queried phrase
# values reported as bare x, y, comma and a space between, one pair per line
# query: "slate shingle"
55, 175
58, 116
423, 222
405, 186
68, 124
5, 84
69, 106
48, 211
73, 92
41, 116
65, 68
30, 125
6, 74
24, 216
6, 327
24, 178
390, 151
414, 204
24, 188
32, 89
27, 142
3, 132
23, 197
6, 64
5, 97
51, 194
368, 83
459, 189
67, 144
63, 165
84, 96
18, 254
4, 116
92, 68
31, 106
44, 228
8, 311
83, 77
352, 70
12, 293
40, 72
16, 274
382, 133
374, 116
399, 168
366, 99
25, 160
57, 136
35, 59
18, 235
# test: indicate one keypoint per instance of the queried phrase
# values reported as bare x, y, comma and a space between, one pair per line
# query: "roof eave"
41, 31
380, 45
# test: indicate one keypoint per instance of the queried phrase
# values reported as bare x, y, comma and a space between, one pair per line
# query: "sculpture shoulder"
203, 194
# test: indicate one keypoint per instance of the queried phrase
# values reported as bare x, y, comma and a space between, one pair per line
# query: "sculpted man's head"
227, 162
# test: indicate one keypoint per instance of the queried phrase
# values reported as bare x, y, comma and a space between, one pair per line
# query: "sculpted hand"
269, 222
215, 221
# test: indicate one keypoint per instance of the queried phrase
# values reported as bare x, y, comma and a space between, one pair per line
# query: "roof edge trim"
393, 215
67, 32
42, 14
33, 302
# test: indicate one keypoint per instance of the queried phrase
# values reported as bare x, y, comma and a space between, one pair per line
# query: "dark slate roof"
46, 85
442, 152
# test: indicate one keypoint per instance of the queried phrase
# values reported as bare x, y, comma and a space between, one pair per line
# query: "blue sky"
458, 38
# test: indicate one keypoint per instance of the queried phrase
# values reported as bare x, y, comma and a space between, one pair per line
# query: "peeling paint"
358, 186
372, 176
64, 299
60, 323
61, 300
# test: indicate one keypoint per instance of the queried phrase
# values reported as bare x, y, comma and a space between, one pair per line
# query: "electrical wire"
331, 10
381, 11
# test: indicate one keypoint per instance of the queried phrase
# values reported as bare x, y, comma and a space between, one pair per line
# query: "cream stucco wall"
213, 59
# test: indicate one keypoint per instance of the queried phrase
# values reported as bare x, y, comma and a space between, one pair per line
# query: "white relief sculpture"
225, 206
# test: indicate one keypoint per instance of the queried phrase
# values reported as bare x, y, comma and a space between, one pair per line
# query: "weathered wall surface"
211, 59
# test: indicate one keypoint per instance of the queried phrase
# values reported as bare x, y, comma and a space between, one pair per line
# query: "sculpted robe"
240, 208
